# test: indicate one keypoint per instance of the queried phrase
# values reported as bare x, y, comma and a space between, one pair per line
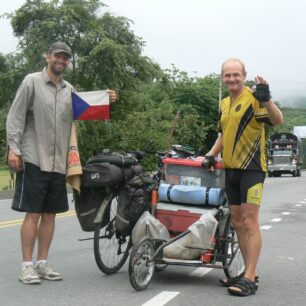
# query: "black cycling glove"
262, 93
209, 161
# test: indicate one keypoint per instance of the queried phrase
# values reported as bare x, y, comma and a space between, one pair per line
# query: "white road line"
162, 298
298, 205
265, 227
302, 202
200, 271
286, 213
276, 220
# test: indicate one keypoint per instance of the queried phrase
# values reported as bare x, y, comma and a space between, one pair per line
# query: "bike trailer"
200, 222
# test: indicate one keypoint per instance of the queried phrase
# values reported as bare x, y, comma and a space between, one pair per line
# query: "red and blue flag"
91, 105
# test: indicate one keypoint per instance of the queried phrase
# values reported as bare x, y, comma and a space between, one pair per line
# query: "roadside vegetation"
108, 54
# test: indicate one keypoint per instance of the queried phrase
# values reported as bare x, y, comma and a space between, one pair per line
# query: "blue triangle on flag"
79, 106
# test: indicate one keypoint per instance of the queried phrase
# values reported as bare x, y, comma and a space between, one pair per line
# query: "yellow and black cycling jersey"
243, 133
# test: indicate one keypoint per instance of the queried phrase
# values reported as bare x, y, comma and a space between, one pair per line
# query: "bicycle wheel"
111, 248
141, 268
233, 262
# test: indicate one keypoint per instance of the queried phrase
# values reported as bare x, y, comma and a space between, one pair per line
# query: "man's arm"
209, 158
275, 115
15, 124
217, 147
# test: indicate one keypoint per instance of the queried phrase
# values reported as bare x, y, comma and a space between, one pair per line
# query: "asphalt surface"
281, 270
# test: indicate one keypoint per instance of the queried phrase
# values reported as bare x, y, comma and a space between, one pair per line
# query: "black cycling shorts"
40, 191
243, 186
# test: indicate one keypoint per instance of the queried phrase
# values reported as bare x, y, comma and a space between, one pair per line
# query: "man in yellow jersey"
242, 143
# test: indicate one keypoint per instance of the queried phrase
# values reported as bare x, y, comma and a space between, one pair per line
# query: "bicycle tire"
141, 269
232, 266
110, 248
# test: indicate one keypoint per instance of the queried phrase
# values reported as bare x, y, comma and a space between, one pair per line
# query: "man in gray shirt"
38, 132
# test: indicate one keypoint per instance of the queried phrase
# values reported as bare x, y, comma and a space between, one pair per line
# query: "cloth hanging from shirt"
74, 167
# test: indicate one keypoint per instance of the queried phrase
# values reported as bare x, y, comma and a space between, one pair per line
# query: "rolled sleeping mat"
196, 195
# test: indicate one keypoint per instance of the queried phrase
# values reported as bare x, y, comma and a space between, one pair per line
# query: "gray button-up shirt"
39, 122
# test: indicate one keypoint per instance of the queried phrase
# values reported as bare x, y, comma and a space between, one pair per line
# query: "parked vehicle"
285, 155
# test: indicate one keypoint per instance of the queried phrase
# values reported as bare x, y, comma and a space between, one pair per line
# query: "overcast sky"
198, 35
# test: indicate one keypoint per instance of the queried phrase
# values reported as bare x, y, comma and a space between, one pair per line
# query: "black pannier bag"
87, 204
106, 174
134, 198
101, 175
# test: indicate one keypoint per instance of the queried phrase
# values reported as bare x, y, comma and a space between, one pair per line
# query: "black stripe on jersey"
255, 162
249, 157
264, 119
245, 119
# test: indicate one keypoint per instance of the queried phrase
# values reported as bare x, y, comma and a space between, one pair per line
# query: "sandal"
245, 286
228, 282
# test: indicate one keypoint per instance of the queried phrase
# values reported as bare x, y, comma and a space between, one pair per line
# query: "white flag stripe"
100, 97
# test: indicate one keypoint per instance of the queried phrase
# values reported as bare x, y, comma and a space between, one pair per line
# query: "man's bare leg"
45, 235
28, 235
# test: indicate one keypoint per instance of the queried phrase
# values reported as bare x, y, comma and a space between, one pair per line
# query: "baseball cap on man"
60, 47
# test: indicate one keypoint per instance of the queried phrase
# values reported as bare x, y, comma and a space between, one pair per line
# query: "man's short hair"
234, 60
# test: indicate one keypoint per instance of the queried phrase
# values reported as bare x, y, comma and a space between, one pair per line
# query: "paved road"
282, 266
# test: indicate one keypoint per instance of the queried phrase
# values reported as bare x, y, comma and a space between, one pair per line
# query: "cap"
59, 47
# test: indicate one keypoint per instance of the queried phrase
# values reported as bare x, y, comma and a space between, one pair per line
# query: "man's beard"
56, 71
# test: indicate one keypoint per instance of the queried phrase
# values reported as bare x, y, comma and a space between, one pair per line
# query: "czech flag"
90, 105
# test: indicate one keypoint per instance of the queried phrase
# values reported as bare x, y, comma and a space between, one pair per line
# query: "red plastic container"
189, 171
178, 218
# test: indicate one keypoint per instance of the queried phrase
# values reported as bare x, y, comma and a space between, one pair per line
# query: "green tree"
106, 54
